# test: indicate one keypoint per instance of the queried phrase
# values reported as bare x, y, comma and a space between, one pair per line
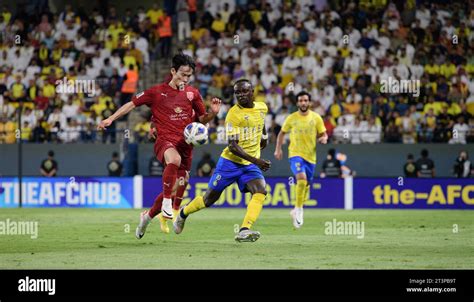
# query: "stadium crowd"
343, 54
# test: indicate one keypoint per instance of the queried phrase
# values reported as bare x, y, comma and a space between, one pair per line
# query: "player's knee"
175, 160
260, 190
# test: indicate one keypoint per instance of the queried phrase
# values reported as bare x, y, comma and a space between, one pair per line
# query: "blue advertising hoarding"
413, 193
324, 193
76, 192
138, 192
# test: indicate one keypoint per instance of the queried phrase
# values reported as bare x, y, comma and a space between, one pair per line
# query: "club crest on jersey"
178, 110
190, 95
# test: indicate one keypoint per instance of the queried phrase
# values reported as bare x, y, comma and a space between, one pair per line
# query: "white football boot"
144, 222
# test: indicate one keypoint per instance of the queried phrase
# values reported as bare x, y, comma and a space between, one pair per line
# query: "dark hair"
332, 152
115, 154
301, 93
424, 153
51, 153
410, 156
182, 60
241, 81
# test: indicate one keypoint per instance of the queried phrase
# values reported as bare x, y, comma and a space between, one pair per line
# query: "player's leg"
147, 216
177, 197
225, 174
257, 188
170, 174
252, 181
197, 204
298, 167
308, 178
182, 183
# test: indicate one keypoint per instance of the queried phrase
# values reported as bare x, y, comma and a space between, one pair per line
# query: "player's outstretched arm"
278, 151
215, 107
234, 147
125, 109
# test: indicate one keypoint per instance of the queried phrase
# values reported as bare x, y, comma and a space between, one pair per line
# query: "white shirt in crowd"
70, 110
459, 133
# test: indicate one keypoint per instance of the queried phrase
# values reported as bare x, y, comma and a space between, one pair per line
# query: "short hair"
332, 152
301, 93
182, 60
115, 154
424, 153
241, 81
51, 153
410, 156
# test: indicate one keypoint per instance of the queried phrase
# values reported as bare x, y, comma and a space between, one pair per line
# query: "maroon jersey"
172, 109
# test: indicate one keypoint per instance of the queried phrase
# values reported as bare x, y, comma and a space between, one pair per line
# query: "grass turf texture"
100, 238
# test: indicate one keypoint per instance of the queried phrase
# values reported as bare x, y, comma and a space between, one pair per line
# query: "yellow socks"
175, 214
163, 224
306, 193
194, 206
301, 185
253, 210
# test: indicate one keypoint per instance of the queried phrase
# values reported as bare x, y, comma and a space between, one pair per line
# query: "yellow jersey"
246, 125
303, 131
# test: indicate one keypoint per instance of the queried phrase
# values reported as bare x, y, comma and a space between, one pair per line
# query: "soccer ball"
195, 134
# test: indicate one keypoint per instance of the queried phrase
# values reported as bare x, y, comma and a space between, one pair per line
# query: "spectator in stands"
206, 166
409, 169
331, 166
129, 86
49, 166
463, 167
425, 166
114, 167
460, 130
341, 132
165, 34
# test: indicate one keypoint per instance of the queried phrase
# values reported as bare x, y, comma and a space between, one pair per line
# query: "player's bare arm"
278, 151
264, 139
215, 107
323, 138
152, 131
125, 109
237, 150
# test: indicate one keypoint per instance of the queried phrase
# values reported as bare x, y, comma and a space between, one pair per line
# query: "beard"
303, 109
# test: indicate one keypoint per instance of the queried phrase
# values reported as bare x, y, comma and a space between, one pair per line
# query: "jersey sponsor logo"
140, 94
190, 95
178, 110
164, 94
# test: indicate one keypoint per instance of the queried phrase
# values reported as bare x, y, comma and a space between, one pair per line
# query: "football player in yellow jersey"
305, 127
240, 162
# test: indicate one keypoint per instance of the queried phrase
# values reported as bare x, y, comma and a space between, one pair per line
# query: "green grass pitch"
101, 238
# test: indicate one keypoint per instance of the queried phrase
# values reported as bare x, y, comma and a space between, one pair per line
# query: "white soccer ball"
196, 134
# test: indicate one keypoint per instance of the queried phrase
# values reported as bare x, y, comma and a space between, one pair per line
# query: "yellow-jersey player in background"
240, 162
305, 127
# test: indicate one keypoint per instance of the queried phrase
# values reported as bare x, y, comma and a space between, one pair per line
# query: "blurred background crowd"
339, 51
